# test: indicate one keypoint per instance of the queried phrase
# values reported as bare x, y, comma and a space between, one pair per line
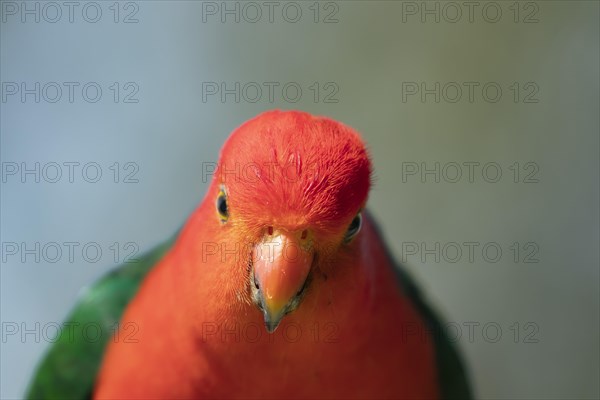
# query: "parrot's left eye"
354, 228
222, 209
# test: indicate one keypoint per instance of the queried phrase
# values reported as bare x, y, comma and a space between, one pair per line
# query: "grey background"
367, 53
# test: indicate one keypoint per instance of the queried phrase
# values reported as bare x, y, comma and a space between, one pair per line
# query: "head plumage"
290, 167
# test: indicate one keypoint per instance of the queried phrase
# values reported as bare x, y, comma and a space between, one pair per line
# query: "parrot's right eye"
354, 228
222, 209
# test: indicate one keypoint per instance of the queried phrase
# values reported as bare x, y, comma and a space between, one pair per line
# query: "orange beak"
281, 262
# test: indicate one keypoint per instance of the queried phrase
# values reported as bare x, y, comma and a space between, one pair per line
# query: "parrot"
279, 285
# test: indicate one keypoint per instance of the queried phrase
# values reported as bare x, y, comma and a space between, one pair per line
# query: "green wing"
452, 376
69, 369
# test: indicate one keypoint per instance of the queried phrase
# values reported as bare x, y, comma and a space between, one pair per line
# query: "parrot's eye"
222, 209
354, 228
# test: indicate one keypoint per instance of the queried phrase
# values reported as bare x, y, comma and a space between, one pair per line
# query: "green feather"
69, 369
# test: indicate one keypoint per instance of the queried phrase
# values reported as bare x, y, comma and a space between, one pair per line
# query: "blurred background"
482, 121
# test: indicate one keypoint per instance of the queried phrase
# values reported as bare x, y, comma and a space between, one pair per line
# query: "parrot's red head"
290, 188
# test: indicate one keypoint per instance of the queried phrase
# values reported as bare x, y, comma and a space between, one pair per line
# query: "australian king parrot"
279, 285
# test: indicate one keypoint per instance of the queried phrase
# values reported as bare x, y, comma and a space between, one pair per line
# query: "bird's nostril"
304, 234
270, 230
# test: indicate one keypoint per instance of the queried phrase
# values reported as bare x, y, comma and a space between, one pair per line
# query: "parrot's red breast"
278, 285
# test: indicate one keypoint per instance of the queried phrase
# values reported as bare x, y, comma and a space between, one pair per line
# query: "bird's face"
290, 189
